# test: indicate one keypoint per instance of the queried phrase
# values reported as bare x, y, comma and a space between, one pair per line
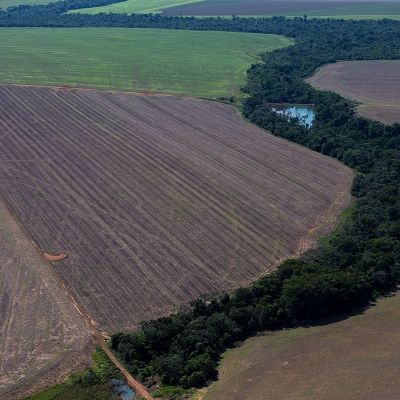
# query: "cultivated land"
43, 338
208, 64
4, 4
356, 9
376, 84
355, 358
334, 8
136, 6
156, 200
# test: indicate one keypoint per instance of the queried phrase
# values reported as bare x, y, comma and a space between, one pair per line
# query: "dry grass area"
43, 338
355, 358
157, 200
376, 84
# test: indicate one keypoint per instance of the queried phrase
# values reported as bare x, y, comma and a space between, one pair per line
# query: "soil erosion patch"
376, 84
157, 200
55, 257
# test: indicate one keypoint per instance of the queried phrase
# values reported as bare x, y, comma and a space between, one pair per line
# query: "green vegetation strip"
89, 384
136, 6
208, 64
340, 359
376, 10
4, 4
355, 265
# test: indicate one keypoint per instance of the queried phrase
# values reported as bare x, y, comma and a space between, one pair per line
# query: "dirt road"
135, 385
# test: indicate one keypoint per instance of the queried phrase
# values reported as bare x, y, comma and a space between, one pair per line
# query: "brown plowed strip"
135, 385
329, 219
86, 89
374, 83
157, 198
58, 257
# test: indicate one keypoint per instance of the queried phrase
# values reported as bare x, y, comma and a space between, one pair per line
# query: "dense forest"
352, 267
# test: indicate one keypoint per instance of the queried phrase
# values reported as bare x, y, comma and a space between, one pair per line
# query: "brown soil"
58, 257
376, 84
329, 220
352, 358
43, 339
70, 363
158, 199
254, 7
60, 369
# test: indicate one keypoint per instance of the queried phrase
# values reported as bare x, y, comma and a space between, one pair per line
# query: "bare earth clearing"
356, 358
43, 339
156, 200
376, 84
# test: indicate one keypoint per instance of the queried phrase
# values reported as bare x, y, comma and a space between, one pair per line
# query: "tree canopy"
357, 264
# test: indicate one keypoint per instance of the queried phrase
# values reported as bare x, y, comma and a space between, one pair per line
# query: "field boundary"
371, 86
134, 384
330, 218
88, 89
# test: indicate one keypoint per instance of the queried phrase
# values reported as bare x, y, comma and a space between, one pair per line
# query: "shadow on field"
356, 311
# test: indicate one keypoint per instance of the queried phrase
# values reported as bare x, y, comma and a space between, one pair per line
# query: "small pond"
120, 390
305, 114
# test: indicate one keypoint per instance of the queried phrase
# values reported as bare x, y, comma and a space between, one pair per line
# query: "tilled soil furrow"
157, 200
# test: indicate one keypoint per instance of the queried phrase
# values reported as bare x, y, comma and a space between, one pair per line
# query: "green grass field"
205, 64
137, 6
11, 3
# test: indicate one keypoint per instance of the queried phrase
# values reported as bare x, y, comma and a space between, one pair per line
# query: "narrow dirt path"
138, 388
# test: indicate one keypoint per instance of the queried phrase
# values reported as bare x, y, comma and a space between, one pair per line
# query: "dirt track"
42, 337
181, 180
135, 385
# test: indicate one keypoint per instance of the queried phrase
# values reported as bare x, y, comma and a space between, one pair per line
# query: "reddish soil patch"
376, 84
145, 93
57, 257
157, 199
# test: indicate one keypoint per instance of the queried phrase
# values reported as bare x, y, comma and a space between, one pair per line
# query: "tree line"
354, 266
349, 269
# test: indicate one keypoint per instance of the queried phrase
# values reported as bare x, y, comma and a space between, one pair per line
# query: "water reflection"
120, 390
305, 114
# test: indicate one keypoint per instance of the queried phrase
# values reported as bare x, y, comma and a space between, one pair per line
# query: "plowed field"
355, 9
156, 200
376, 84
358, 9
43, 338
352, 358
